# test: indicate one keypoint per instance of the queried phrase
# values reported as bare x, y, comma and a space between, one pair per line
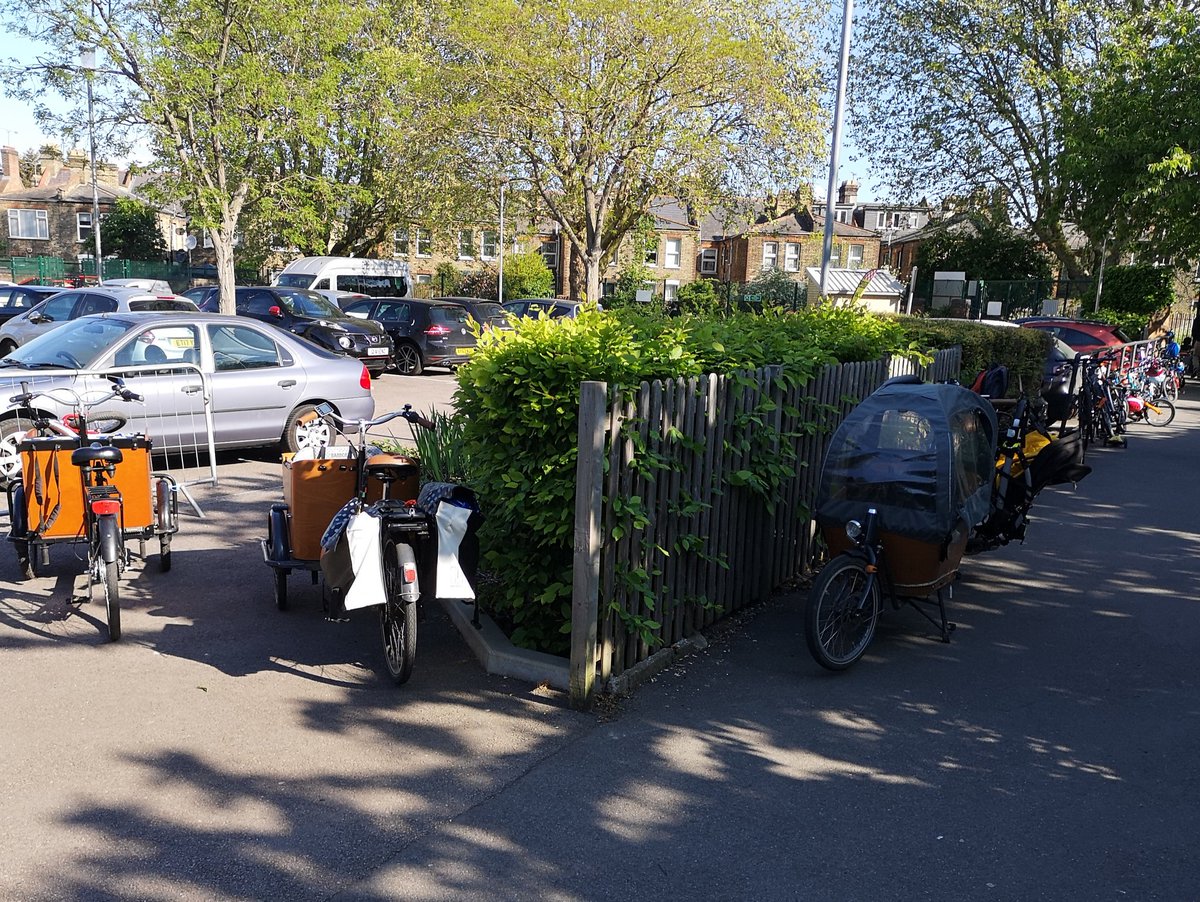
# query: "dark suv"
426, 333
309, 315
489, 314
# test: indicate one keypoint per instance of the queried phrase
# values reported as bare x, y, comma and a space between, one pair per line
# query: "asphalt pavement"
225, 750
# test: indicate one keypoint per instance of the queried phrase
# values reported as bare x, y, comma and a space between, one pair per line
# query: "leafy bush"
1023, 351
699, 298
775, 288
519, 397
527, 276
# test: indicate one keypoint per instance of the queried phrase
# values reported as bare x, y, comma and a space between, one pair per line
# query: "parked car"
425, 333
262, 379
16, 299
76, 302
489, 314
309, 315
1080, 334
157, 285
537, 306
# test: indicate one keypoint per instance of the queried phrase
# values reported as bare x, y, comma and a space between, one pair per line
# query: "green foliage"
1141, 290
633, 278
131, 231
527, 276
442, 450
699, 298
519, 398
1023, 351
479, 283
447, 279
775, 288
983, 250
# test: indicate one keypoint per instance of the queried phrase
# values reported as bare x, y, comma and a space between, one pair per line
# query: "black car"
16, 299
537, 306
426, 333
488, 314
309, 315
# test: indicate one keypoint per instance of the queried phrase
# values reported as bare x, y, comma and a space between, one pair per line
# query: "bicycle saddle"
391, 466
95, 453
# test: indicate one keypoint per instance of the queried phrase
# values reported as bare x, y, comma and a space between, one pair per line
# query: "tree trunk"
576, 275
222, 240
593, 267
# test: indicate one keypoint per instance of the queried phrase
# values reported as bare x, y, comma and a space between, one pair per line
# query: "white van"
377, 278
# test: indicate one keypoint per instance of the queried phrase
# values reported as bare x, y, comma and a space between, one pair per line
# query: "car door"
255, 383
44, 317
172, 414
91, 303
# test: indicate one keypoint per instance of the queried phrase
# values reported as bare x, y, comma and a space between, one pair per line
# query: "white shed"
883, 293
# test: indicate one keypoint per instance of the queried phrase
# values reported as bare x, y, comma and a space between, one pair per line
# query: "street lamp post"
87, 62
835, 148
500, 250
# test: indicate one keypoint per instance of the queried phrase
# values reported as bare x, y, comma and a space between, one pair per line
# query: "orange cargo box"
52, 481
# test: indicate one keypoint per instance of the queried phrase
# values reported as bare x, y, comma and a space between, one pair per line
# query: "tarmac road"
225, 750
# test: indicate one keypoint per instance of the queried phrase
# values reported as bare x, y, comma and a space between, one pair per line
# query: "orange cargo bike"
78, 485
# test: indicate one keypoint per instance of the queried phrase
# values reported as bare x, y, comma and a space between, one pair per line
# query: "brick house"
54, 217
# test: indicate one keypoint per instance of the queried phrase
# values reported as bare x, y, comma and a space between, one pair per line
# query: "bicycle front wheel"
1159, 412
843, 607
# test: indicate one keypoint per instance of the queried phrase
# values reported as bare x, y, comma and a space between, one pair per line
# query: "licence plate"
377, 352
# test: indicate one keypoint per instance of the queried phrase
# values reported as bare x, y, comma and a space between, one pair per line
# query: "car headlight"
345, 342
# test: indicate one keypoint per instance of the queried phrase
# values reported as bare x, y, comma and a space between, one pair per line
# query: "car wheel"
7, 347
314, 433
408, 360
12, 430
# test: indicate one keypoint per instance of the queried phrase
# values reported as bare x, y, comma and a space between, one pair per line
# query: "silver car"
262, 379
73, 303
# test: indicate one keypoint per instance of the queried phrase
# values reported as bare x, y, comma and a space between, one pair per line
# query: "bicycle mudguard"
110, 538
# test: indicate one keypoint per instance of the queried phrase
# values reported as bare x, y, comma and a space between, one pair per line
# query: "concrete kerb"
501, 658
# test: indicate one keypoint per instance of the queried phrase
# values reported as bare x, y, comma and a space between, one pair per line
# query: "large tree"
599, 105
1134, 146
222, 89
955, 96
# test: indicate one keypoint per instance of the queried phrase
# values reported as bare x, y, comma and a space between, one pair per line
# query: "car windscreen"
78, 343
294, 280
309, 303
158, 305
492, 313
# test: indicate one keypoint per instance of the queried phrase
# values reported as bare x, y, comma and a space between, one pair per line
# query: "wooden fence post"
585, 583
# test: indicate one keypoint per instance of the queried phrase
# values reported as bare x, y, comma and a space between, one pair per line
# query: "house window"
28, 224
487, 245
856, 256
791, 257
400, 243
881, 219
674, 253
550, 254
208, 239
83, 226
708, 261
770, 254
671, 291
652, 254
835, 256
423, 278
424, 243
466, 244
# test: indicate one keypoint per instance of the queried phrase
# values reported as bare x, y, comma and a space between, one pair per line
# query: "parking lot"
225, 750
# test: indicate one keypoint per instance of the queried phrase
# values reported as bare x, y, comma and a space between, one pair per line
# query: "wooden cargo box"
46, 489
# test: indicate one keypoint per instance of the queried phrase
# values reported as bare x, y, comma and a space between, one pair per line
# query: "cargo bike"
915, 478
358, 518
82, 486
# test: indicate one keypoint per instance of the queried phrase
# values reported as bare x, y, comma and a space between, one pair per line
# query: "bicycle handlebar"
119, 391
406, 412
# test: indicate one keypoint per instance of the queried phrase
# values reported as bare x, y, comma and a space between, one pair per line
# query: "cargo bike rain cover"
922, 454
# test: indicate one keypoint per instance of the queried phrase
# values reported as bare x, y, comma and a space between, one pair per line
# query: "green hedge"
518, 397
1023, 351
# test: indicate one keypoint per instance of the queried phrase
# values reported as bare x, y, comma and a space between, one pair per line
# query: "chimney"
107, 174
51, 167
10, 170
848, 194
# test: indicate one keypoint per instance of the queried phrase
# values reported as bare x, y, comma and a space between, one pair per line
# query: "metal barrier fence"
176, 414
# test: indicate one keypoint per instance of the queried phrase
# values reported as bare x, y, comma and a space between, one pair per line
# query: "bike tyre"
397, 621
1160, 413
835, 602
280, 585
112, 600
164, 555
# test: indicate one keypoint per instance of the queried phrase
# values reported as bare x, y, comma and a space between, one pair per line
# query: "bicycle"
375, 543
99, 515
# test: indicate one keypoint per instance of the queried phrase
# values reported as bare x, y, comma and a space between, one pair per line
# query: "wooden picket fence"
670, 534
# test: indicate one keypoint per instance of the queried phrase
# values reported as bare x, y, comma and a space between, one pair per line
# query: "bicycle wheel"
842, 610
1159, 412
112, 600
397, 619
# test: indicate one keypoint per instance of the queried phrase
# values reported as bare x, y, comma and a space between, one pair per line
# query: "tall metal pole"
1100, 275
87, 61
500, 287
835, 150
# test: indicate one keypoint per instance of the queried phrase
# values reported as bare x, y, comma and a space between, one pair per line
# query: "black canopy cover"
923, 455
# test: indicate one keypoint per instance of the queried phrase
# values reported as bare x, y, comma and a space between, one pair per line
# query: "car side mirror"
275, 311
